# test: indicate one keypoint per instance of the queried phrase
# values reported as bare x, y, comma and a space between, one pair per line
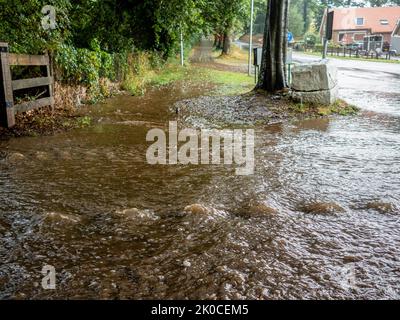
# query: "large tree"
225, 18
232, 14
296, 21
273, 70
305, 9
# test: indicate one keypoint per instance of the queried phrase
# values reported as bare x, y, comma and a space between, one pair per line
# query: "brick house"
351, 25
395, 44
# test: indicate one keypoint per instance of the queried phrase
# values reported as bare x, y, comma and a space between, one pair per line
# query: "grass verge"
227, 82
340, 107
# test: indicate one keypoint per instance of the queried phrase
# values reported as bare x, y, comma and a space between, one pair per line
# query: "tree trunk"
220, 42
273, 69
306, 15
215, 40
227, 43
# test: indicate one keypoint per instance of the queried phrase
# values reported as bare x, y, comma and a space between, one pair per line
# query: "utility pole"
251, 35
325, 49
182, 55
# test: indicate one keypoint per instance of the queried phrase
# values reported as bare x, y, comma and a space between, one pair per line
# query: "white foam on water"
137, 215
56, 216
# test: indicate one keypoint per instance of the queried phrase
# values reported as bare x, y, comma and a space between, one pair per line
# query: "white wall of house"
395, 45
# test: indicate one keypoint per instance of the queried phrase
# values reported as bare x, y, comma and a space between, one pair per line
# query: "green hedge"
86, 67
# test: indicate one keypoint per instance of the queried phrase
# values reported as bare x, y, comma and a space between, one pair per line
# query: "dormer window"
359, 21
384, 22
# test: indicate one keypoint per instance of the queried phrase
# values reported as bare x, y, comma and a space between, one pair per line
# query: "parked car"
354, 46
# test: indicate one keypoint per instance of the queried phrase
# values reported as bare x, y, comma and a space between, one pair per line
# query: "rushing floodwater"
87, 203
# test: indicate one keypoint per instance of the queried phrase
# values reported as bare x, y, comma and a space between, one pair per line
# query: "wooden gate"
7, 85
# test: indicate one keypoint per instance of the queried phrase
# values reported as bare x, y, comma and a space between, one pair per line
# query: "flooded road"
87, 203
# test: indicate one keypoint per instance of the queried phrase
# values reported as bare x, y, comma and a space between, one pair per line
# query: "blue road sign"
290, 37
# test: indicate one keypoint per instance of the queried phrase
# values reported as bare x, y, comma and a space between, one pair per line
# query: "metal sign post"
328, 31
289, 62
251, 35
182, 50
289, 57
257, 59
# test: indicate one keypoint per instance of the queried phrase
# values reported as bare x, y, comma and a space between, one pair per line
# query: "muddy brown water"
113, 226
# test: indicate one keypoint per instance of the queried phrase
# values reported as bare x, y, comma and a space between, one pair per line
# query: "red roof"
374, 19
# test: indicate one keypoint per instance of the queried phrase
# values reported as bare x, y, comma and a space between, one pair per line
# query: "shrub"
140, 66
88, 66
84, 67
310, 39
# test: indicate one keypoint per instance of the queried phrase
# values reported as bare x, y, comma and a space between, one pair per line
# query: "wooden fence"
7, 85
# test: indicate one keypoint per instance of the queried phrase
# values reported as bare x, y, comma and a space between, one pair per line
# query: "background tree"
296, 21
381, 3
231, 16
259, 17
151, 25
20, 25
301, 10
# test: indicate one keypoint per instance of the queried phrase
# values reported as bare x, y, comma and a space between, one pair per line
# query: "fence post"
7, 117
49, 70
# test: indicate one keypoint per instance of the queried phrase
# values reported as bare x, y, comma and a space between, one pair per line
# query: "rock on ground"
315, 83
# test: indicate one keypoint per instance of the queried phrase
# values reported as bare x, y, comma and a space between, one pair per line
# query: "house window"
341, 37
360, 21
384, 22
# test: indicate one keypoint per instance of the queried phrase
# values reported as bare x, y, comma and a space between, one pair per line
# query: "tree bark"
227, 43
215, 40
220, 42
273, 69
306, 15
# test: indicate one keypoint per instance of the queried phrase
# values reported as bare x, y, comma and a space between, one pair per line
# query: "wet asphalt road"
372, 86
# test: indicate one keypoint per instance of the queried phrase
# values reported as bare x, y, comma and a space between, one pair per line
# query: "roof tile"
345, 18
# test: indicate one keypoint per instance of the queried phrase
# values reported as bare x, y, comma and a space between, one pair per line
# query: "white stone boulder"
315, 82
323, 97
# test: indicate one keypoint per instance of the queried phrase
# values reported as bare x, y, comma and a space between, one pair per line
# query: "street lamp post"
325, 48
182, 49
251, 35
